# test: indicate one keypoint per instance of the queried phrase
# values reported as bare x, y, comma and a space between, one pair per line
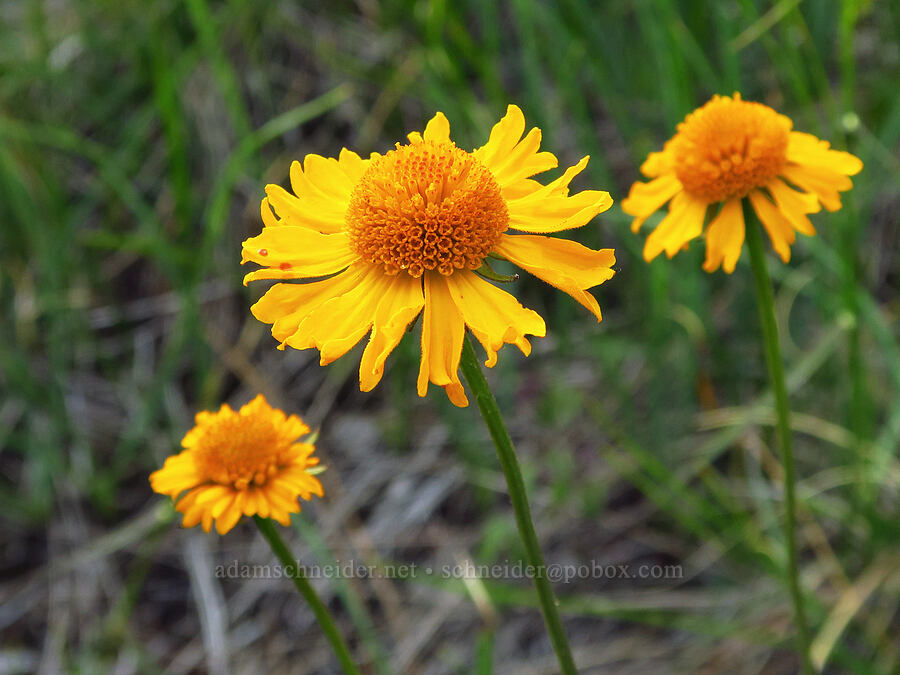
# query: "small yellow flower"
727, 150
393, 234
246, 462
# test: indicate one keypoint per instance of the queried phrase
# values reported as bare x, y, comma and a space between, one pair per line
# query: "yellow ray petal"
645, 198
229, 517
494, 315
510, 159
320, 176
794, 205
179, 473
725, 237
193, 516
504, 136
281, 496
400, 304
823, 183
299, 250
283, 517
442, 336
315, 211
779, 228
537, 191
683, 222
287, 305
520, 188
438, 129
251, 501
524, 161
340, 322
658, 163
551, 209
353, 165
806, 149
213, 494
567, 265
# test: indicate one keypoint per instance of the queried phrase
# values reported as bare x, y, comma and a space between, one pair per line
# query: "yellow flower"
727, 150
393, 234
246, 462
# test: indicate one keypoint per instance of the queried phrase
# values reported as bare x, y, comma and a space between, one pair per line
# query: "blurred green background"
135, 141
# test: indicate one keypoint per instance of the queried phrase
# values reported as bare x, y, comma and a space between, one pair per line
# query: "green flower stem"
327, 624
766, 303
491, 413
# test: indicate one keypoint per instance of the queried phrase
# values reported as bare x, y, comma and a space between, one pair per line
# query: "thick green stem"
293, 569
766, 304
491, 413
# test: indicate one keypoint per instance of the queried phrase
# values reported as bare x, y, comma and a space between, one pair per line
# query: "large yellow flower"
727, 150
387, 236
246, 462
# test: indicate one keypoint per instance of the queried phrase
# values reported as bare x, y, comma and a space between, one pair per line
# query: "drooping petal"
794, 205
645, 198
400, 304
565, 264
229, 517
286, 305
779, 228
822, 182
494, 316
683, 223
443, 329
551, 209
281, 497
298, 250
340, 322
725, 237
251, 501
213, 494
299, 480
282, 517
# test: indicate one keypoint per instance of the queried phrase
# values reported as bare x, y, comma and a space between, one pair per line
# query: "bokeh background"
135, 141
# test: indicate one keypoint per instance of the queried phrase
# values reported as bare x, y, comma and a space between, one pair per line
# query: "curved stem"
491, 413
766, 304
294, 570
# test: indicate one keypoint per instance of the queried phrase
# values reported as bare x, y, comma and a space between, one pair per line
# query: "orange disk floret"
426, 206
728, 147
245, 462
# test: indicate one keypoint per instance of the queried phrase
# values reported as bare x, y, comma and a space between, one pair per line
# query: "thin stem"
491, 413
293, 569
766, 304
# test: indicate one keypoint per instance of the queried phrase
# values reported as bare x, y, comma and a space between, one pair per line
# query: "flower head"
727, 150
386, 238
246, 462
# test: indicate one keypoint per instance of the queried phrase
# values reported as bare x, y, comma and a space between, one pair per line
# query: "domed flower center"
426, 206
729, 147
237, 451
